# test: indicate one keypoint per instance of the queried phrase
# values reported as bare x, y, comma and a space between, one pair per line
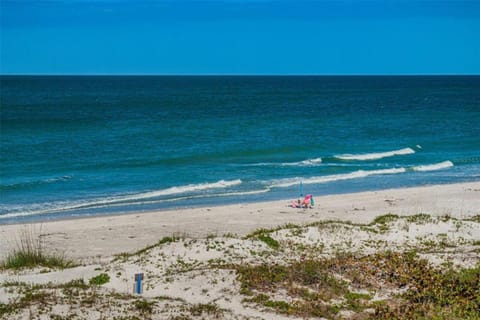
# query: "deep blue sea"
92, 145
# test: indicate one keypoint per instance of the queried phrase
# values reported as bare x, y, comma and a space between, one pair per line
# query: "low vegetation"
298, 275
144, 307
475, 218
165, 240
30, 253
272, 243
28, 259
100, 279
309, 287
209, 309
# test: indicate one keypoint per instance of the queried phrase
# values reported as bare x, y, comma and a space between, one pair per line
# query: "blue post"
138, 283
301, 189
139, 286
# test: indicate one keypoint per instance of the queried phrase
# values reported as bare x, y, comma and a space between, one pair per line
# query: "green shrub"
100, 279
272, 243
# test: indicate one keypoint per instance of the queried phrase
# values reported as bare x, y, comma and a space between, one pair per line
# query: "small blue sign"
138, 283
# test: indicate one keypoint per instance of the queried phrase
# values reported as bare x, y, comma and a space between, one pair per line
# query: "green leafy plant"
100, 279
272, 243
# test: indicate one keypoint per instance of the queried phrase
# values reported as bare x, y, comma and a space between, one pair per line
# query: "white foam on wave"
182, 189
435, 166
304, 163
283, 183
60, 206
375, 156
308, 162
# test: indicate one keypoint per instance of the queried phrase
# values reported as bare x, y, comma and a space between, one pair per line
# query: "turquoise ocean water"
77, 146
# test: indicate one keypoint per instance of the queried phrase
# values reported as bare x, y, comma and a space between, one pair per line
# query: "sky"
251, 37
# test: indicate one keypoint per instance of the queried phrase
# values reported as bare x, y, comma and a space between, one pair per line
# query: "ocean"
74, 146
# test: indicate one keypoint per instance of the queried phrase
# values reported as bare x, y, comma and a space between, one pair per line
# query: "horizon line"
240, 74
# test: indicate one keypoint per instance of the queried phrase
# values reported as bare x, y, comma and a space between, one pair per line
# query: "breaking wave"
282, 183
304, 163
433, 167
107, 201
375, 156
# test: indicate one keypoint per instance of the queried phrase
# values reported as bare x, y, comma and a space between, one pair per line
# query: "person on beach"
296, 204
307, 202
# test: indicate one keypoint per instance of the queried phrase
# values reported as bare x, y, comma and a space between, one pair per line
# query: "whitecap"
375, 156
283, 183
433, 167
303, 163
306, 163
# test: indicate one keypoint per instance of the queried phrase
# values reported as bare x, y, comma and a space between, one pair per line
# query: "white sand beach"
101, 237
181, 274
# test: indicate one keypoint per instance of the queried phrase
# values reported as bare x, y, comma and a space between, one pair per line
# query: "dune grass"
30, 252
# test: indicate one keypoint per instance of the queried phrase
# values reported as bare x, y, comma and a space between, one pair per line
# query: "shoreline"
230, 203
99, 237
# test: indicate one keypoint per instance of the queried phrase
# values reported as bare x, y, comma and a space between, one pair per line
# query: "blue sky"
240, 37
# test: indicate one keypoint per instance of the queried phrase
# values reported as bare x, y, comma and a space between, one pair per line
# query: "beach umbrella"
301, 189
